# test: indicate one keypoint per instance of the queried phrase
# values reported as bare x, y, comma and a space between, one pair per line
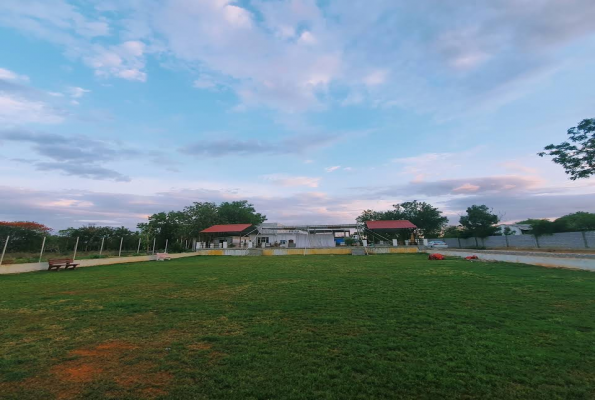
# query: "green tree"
540, 227
200, 216
24, 235
370, 215
239, 212
578, 221
507, 231
428, 219
453, 232
576, 156
480, 221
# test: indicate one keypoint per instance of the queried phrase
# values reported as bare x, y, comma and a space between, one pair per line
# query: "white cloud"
15, 110
12, 76
125, 60
290, 181
332, 169
376, 78
77, 92
307, 38
204, 82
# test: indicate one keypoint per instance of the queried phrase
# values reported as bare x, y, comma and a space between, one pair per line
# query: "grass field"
316, 327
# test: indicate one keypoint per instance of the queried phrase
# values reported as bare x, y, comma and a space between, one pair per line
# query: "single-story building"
274, 235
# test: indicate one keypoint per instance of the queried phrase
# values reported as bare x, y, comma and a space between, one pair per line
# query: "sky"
313, 111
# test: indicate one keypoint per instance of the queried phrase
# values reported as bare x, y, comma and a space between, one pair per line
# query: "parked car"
437, 244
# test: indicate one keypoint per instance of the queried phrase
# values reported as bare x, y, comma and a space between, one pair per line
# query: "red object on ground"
436, 256
471, 258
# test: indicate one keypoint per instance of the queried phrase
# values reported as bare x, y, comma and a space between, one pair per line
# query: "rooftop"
231, 228
389, 225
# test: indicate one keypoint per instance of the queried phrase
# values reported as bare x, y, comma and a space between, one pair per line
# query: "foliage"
187, 224
90, 237
480, 221
507, 231
24, 235
576, 156
28, 225
239, 212
453, 232
575, 222
540, 227
578, 221
315, 327
426, 217
350, 241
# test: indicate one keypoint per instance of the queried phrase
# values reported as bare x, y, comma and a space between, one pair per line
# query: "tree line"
177, 228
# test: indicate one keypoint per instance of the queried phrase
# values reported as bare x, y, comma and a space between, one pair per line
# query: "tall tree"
578, 221
576, 156
200, 216
453, 232
239, 212
24, 235
480, 221
426, 217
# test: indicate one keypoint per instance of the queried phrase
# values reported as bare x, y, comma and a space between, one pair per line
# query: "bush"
350, 241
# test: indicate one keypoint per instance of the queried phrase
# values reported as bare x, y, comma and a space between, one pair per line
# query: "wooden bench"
57, 263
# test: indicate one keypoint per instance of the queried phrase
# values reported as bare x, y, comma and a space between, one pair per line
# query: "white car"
437, 244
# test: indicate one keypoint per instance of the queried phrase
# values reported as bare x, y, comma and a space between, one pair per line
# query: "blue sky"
312, 110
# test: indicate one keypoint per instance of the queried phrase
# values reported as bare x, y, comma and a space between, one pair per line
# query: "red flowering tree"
24, 235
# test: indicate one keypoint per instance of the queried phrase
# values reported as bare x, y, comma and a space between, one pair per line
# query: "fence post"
585, 239
459, 240
101, 249
120, 251
536, 241
4, 249
75, 247
154, 239
506, 240
166, 241
138, 249
42, 247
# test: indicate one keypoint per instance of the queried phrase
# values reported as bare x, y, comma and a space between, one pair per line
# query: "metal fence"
48, 247
584, 240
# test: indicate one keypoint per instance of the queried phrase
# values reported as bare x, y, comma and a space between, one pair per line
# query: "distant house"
515, 229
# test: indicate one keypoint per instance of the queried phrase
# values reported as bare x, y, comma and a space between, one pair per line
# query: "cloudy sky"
312, 110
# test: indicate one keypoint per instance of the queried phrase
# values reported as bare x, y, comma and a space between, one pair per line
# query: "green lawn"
315, 327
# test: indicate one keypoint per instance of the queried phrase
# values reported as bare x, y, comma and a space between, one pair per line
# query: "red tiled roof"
233, 228
400, 224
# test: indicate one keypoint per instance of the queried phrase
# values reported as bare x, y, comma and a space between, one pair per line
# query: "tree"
200, 216
239, 212
577, 157
24, 235
178, 226
578, 221
540, 227
453, 232
426, 217
507, 231
370, 215
480, 221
